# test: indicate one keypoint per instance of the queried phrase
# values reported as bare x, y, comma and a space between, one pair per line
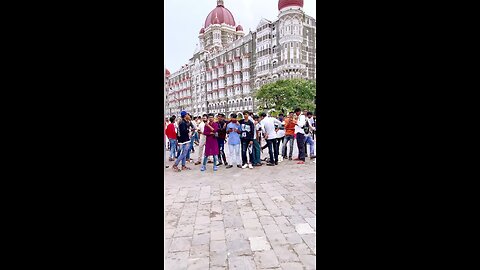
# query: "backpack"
306, 127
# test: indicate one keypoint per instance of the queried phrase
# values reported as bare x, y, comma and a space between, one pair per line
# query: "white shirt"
200, 128
311, 128
268, 127
300, 124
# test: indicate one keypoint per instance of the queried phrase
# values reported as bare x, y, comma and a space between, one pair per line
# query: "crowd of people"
242, 137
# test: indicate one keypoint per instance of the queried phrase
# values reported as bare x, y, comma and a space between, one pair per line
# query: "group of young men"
243, 138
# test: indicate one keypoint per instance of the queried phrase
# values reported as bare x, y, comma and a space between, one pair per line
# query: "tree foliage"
286, 95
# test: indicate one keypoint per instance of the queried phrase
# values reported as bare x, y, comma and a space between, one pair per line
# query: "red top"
171, 131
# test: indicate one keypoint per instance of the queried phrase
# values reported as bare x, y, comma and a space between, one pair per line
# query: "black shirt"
247, 128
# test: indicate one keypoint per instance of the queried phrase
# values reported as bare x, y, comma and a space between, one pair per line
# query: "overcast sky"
185, 18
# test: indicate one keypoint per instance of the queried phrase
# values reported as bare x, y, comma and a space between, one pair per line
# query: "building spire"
219, 2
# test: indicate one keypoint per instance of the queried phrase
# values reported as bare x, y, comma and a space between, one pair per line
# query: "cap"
183, 114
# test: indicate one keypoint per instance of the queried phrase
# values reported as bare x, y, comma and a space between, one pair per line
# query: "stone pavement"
261, 218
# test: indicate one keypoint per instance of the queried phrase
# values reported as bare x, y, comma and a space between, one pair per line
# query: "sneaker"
229, 166
270, 164
226, 164
215, 168
239, 166
219, 164
210, 161
312, 157
290, 158
250, 166
276, 162
245, 166
198, 163
203, 168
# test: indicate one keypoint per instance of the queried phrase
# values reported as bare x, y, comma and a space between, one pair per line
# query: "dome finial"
219, 2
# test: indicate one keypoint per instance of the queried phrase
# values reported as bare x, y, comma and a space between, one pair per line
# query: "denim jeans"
221, 150
245, 144
183, 154
301, 146
273, 150
256, 152
309, 141
214, 160
190, 148
173, 147
288, 138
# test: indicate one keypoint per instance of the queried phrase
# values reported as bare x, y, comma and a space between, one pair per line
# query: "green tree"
286, 95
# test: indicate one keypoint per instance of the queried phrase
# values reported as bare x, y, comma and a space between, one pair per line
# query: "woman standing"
211, 144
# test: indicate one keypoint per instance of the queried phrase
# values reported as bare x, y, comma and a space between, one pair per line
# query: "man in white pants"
234, 146
203, 139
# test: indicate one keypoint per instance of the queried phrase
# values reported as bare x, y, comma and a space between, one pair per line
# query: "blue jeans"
190, 148
288, 138
173, 147
183, 154
256, 152
309, 140
245, 144
214, 160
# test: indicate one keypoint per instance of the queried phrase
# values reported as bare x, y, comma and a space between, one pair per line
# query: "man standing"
172, 138
268, 127
280, 128
309, 130
289, 136
203, 139
247, 129
211, 144
222, 134
183, 141
256, 142
233, 130
300, 134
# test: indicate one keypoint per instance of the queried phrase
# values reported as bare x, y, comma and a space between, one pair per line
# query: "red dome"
220, 15
289, 3
202, 30
167, 72
239, 28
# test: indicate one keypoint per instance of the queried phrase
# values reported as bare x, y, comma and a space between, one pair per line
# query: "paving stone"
198, 263
311, 241
176, 261
201, 239
183, 231
235, 207
200, 251
308, 261
259, 243
218, 246
285, 254
218, 234
181, 244
304, 228
302, 249
241, 263
291, 266
266, 259
239, 247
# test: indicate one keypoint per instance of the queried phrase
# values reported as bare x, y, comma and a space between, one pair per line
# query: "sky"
185, 18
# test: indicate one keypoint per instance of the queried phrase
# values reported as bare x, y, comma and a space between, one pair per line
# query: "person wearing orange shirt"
289, 136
